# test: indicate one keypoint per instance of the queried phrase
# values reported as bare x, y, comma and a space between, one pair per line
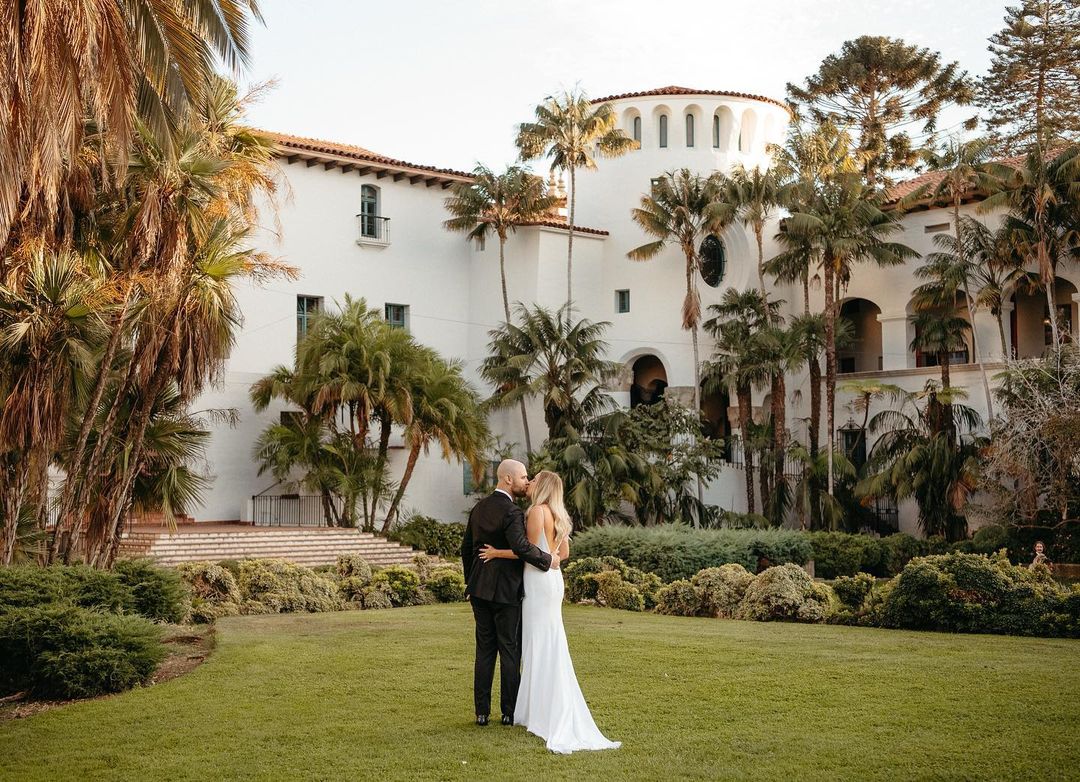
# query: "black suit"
495, 590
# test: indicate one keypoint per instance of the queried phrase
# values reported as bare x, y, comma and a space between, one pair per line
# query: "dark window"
854, 444
716, 131
306, 307
290, 418
637, 129
936, 228
689, 130
397, 315
663, 130
369, 212
713, 261
622, 301
847, 364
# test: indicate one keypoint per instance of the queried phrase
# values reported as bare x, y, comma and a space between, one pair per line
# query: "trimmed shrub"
648, 584
785, 594
157, 593
423, 565
354, 573
720, 589
674, 552
578, 586
376, 595
22, 586
973, 593
446, 584
679, 598
613, 592
841, 554
214, 591
897, 550
64, 651
852, 591
401, 584
272, 586
430, 535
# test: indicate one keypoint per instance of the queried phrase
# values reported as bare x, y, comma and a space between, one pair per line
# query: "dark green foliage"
679, 598
157, 593
853, 590
678, 552
446, 584
896, 551
64, 651
430, 535
971, 593
400, 583
785, 594
840, 554
24, 586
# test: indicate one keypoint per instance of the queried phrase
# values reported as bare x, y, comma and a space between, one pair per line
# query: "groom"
495, 588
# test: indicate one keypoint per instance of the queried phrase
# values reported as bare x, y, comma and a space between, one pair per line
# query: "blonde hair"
548, 490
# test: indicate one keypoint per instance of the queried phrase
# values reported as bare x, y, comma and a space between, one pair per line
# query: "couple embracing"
516, 590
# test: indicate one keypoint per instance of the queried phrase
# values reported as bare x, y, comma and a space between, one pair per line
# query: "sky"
445, 83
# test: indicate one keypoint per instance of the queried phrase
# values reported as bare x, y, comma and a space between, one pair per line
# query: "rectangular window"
397, 315
622, 301
936, 228
306, 307
290, 418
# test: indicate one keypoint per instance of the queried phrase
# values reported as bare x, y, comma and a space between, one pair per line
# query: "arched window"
663, 130
689, 130
713, 261
716, 131
637, 129
369, 211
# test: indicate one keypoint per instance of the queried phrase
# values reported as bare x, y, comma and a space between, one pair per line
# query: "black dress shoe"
507, 719
481, 720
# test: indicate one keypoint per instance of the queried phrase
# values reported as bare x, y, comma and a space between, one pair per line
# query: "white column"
989, 340
894, 340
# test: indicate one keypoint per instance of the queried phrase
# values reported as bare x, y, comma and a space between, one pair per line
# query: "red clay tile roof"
930, 180
578, 229
319, 146
673, 90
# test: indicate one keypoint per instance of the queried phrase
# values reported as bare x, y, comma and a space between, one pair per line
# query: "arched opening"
689, 130
723, 128
369, 211
862, 351
935, 332
632, 124
637, 130
715, 423
649, 381
663, 122
1030, 317
713, 259
748, 131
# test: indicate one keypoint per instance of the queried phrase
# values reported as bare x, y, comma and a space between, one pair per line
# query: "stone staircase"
303, 546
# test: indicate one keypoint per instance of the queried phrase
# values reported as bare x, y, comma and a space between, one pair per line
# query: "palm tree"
682, 209
752, 196
998, 270
1041, 223
544, 354
917, 455
446, 410
809, 502
965, 171
846, 224
571, 131
737, 317
498, 203
120, 63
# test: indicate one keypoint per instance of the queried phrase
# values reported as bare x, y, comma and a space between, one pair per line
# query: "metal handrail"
373, 228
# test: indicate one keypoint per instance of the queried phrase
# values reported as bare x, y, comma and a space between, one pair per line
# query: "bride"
549, 703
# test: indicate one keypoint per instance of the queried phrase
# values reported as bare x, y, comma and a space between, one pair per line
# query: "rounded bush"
679, 598
401, 584
852, 591
430, 535
376, 596
447, 584
423, 564
214, 591
157, 593
841, 554
64, 651
275, 586
897, 550
579, 586
720, 589
648, 584
22, 586
612, 591
354, 566
784, 594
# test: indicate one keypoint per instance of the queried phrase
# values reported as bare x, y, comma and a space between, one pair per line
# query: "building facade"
355, 222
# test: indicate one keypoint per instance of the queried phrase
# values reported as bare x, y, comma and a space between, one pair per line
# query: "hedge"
676, 552
430, 535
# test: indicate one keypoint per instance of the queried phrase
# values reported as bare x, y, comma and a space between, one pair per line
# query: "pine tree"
879, 85
1033, 85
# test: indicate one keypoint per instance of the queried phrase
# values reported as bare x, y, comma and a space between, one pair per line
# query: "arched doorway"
862, 353
715, 424
961, 352
648, 382
1030, 317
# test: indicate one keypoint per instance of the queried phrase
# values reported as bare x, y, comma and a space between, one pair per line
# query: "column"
894, 340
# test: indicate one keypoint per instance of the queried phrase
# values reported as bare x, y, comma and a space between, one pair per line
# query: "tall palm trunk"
1046, 272
815, 431
414, 454
1001, 333
830, 363
691, 294
742, 394
760, 260
506, 313
971, 314
570, 243
779, 417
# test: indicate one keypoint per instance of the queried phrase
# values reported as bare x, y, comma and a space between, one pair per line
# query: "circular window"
713, 261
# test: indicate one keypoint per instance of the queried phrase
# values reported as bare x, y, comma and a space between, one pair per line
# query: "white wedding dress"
550, 703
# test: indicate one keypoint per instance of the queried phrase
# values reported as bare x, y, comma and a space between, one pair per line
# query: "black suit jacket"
497, 521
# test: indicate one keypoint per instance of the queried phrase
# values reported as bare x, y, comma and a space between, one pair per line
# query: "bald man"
495, 588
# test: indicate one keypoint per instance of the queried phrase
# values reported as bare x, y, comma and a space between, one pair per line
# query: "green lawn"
387, 695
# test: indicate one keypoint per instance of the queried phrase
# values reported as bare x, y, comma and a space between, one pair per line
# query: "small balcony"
373, 230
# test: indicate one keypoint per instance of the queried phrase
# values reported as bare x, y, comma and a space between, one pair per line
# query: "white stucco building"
356, 222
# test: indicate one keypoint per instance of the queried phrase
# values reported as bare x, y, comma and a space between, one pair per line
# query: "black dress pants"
498, 631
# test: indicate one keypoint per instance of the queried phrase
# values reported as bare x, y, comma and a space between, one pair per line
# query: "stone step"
275, 535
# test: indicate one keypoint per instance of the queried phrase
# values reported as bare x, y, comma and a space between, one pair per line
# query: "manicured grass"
387, 695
